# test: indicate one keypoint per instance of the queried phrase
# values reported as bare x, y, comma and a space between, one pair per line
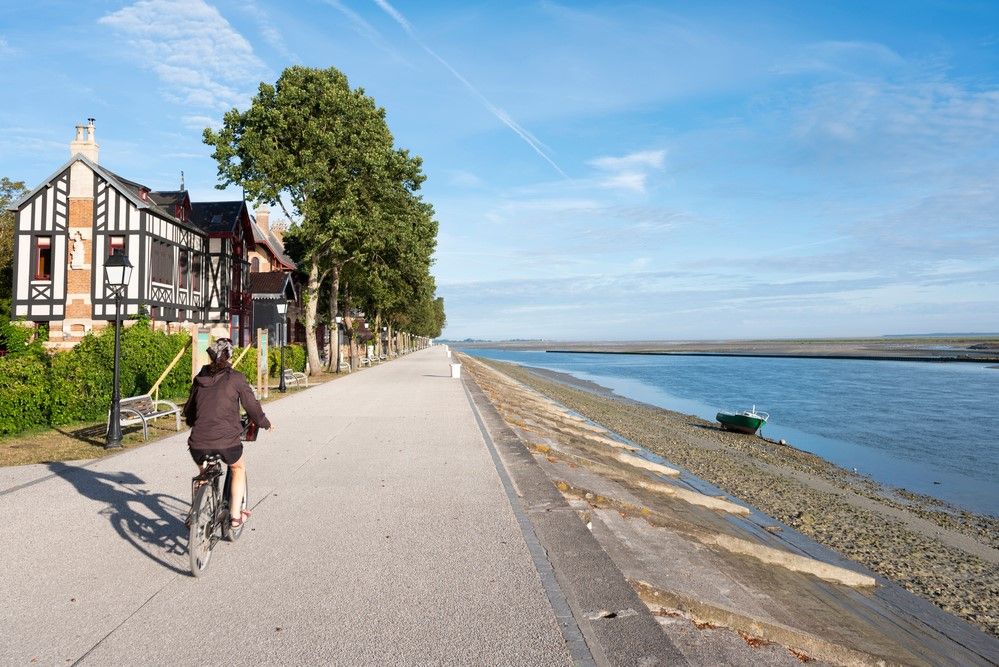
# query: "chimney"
85, 141
264, 218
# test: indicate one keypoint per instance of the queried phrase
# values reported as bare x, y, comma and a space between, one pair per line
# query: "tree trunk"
378, 336
350, 326
311, 307
333, 356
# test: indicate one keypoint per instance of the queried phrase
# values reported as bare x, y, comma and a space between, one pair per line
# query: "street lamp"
117, 273
282, 309
339, 321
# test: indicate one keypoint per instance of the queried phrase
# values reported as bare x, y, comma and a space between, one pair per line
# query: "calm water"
927, 427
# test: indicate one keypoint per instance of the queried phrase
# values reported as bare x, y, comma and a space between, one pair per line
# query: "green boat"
748, 421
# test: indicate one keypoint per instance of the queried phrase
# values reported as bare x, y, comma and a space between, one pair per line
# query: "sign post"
263, 381
200, 341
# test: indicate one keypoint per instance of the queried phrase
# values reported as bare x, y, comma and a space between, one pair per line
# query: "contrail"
503, 116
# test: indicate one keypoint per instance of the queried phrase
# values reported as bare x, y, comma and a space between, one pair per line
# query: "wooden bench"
144, 409
292, 376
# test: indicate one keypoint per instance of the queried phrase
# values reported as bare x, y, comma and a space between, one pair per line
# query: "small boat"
748, 421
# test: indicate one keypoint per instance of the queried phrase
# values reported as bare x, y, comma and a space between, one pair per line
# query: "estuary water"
925, 427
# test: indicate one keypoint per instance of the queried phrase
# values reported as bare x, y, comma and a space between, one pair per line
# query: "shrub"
24, 393
82, 377
247, 365
295, 357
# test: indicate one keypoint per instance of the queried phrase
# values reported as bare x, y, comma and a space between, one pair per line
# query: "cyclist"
212, 410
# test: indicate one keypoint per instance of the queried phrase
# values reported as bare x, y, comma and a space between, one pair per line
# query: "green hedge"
295, 357
24, 394
37, 389
82, 377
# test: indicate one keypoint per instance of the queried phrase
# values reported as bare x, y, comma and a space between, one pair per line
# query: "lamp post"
282, 309
117, 273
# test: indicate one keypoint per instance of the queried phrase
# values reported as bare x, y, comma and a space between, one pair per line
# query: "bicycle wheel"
230, 533
199, 544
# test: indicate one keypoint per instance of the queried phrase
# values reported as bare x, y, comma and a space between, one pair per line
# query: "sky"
600, 170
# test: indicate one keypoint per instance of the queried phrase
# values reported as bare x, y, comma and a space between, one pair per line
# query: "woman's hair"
221, 353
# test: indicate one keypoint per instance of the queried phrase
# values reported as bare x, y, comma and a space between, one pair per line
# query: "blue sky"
600, 170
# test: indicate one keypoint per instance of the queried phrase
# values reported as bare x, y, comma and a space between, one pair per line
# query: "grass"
85, 440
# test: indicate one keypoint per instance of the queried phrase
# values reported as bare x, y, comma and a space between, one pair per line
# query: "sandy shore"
946, 555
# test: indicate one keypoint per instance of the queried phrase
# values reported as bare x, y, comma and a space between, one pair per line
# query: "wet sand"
942, 553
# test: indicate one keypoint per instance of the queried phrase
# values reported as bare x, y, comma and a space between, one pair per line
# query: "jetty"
398, 519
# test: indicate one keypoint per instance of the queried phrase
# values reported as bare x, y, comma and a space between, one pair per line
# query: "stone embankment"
704, 561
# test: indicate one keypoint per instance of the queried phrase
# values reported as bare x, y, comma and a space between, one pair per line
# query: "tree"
324, 147
10, 191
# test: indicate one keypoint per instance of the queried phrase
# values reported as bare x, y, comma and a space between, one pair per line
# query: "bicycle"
209, 519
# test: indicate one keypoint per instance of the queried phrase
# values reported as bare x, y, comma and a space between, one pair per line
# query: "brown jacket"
212, 408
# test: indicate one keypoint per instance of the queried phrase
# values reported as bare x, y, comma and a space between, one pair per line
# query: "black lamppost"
117, 273
282, 309
339, 321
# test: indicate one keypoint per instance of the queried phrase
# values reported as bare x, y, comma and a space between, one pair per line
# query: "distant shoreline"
774, 355
978, 350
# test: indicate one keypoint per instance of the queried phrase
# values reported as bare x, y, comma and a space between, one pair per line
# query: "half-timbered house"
67, 226
229, 228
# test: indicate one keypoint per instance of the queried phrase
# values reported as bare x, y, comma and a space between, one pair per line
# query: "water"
926, 427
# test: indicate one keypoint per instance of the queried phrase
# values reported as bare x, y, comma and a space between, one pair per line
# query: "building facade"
184, 273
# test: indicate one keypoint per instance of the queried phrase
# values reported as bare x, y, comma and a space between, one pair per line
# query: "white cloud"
198, 56
199, 122
840, 57
465, 179
267, 30
629, 172
5, 48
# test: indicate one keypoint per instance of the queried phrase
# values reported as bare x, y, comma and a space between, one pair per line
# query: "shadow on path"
151, 522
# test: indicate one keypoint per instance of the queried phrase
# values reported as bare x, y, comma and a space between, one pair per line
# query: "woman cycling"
212, 410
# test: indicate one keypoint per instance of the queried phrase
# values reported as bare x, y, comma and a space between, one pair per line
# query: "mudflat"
941, 553
977, 349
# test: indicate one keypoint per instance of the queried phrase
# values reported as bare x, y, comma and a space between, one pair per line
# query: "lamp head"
117, 269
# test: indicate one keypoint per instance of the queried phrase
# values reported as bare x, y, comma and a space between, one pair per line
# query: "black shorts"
229, 455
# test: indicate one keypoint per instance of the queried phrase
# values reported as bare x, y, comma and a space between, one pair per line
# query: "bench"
292, 376
344, 366
365, 361
142, 410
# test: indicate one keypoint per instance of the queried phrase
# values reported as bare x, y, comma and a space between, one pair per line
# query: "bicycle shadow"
152, 522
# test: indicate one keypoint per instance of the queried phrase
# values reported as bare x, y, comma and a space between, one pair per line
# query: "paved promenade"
381, 534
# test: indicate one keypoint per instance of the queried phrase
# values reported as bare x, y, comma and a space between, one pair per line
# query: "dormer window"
144, 195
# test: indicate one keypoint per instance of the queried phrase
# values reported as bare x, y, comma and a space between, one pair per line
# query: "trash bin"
456, 370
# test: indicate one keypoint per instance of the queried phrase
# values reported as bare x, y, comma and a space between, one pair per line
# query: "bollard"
456, 370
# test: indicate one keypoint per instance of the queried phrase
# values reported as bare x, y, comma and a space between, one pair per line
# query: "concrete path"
381, 534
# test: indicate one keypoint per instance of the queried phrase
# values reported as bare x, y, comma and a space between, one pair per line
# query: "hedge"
24, 394
37, 389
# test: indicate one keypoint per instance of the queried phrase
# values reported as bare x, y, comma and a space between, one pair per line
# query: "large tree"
313, 141
10, 191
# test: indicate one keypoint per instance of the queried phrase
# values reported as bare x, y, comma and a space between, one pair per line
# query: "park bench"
143, 409
365, 361
292, 376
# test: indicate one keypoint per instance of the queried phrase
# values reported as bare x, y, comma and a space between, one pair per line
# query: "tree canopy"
322, 151
10, 191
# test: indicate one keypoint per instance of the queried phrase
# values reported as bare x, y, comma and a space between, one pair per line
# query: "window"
255, 265
182, 267
43, 258
116, 243
196, 271
161, 258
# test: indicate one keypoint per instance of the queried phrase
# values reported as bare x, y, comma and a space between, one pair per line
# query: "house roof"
131, 189
217, 216
272, 284
273, 243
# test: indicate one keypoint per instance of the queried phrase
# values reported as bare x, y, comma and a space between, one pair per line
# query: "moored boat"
748, 421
